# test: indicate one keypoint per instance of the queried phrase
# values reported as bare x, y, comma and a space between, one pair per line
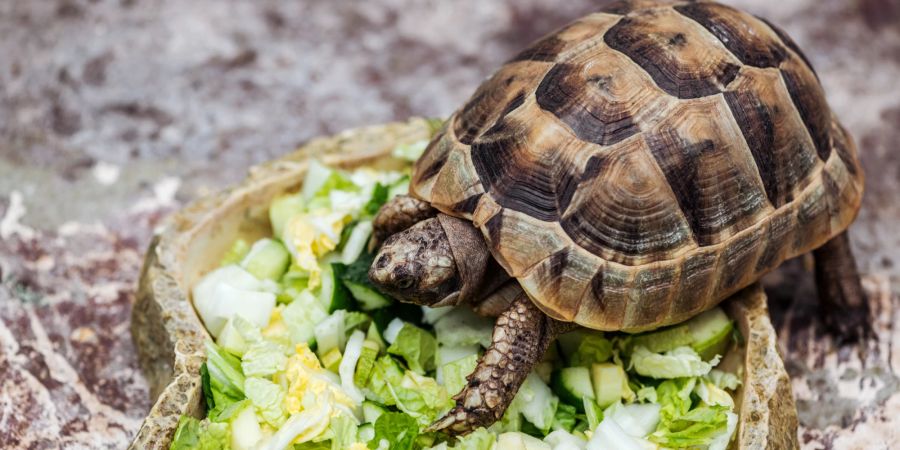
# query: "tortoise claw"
459, 421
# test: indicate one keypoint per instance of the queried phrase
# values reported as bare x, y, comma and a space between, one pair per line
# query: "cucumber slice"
317, 175
267, 259
365, 432
609, 382
356, 242
331, 360
230, 339
366, 363
664, 340
372, 411
282, 209
538, 404
710, 333
236, 253
356, 278
333, 294
369, 299
573, 385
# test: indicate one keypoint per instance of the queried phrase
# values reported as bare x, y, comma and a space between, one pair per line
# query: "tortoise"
627, 171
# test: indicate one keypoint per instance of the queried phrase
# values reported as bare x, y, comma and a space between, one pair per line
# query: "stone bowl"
169, 335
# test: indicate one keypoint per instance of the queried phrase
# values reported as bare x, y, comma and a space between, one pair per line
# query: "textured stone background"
115, 113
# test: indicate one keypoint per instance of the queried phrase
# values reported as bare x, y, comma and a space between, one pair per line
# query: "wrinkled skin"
417, 266
442, 261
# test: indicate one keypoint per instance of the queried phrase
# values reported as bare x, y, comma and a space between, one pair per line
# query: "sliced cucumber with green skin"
372, 411
710, 333
333, 294
356, 278
609, 382
282, 209
665, 339
366, 362
365, 432
332, 359
368, 298
573, 385
267, 259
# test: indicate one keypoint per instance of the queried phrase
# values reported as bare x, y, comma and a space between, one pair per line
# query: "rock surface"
115, 113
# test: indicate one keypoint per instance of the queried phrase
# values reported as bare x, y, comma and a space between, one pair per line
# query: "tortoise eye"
404, 281
382, 262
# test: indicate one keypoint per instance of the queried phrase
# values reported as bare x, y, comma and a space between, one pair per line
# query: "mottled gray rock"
115, 113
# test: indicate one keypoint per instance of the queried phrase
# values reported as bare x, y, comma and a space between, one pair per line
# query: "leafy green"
416, 346
480, 439
314, 445
355, 320
697, 427
564, 419
398, 429
226, 380
193, 434
379, 197
463, 327
384, 372
676, 363
723, 380
594, 348
301, 317
421, 397
263, 358
268, 399
418, 396
343, 429
455, 372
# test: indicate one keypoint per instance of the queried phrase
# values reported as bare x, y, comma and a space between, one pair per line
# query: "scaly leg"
521, 336
840, 290
398, 214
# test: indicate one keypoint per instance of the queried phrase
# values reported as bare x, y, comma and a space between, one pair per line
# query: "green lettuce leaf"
225, 380
698, 427
268, 399
564, 419
379, 197
343, 429
593, 348
398, 429
724, 380
480, 439
455, 373
421, 397
193, 434
385, 372
416, 346
677, 363
263, 359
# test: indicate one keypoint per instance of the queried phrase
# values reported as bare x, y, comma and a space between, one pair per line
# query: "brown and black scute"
645, 162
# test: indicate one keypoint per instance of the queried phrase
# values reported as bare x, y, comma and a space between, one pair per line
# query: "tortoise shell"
645, 162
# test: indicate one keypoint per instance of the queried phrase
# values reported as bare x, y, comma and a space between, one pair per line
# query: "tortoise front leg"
398, 214
840, 290
522, 334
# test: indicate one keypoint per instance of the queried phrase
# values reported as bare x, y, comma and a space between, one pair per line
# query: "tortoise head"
417, 266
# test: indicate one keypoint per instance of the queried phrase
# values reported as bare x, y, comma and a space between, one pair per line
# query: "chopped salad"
308, 355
